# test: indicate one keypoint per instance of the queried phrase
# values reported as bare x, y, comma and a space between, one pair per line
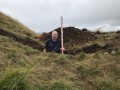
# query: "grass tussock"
81, 56
15, 79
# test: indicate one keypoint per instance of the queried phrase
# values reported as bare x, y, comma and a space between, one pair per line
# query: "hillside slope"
29, 69
23, 67
20, 33
11, 25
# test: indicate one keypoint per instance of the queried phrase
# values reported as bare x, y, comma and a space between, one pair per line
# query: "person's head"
54, 35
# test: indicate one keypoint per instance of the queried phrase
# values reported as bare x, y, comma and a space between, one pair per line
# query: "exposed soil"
72, 36
93, 48
26, 41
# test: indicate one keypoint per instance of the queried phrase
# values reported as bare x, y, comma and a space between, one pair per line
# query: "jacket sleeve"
46, 45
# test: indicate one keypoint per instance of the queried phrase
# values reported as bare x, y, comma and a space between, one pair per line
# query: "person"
54, 44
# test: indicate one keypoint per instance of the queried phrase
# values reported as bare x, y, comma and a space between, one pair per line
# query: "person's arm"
46, 46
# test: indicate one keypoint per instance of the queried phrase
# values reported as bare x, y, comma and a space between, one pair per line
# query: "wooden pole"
62, 32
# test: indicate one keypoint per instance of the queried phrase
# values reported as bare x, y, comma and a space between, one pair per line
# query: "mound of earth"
72, 36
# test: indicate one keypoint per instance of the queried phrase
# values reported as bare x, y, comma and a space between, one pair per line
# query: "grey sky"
44, 15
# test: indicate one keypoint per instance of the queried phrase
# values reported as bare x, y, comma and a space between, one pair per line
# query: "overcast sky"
44, 15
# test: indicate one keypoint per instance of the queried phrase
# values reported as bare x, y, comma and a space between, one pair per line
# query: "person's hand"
44, 50
62, 49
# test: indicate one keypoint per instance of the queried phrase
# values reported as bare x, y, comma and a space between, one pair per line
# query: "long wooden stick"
62, 32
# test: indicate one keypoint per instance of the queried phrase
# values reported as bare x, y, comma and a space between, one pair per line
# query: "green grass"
18, 31
59, 85
50, 71
118, 52
13, 26
14, 80
81, 56
24, 68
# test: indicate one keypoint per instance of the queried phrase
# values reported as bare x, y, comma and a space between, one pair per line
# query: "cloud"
44, 15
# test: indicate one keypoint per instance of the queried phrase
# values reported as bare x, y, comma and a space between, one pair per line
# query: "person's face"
54, 35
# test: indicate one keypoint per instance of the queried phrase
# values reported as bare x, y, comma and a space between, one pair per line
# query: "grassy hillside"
20, 33
39, 71
11, 25
23, 67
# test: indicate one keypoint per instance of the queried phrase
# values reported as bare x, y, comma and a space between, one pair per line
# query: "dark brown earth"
93, 48
75, 37
72, 36
25, 41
